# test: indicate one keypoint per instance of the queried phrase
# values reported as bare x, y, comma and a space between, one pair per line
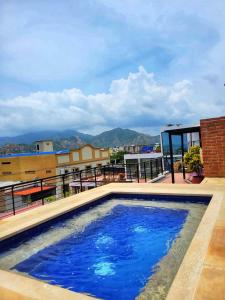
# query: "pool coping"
187, 283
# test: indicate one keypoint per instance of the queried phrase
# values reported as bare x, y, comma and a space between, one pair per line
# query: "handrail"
12, 201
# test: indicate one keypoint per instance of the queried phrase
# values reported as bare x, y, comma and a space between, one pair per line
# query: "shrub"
192, 160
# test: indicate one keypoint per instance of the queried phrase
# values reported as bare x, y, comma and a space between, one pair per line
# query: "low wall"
213, 146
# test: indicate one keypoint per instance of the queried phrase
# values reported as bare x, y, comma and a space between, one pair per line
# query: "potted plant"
193, 162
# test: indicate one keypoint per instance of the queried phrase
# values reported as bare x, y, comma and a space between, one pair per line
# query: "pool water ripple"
114, 256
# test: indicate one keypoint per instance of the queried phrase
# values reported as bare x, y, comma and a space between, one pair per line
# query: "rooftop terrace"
200, 276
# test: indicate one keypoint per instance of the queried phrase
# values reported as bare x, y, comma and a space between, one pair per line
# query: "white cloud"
43, 41
138, 101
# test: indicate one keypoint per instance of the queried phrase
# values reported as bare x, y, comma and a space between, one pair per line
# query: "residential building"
27, 166
30, 166
81, 159
133, 148
44, 146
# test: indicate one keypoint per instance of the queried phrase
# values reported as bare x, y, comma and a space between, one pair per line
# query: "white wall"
82, 166
104, 154
142, 155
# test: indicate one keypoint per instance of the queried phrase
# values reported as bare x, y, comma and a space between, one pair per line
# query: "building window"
6, 163
86, 153
76, 156
6, 173
48, 171
63, 159
30, 172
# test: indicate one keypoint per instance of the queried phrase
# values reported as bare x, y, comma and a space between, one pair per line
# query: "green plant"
50, 198
158, 149
117, 157
192, 160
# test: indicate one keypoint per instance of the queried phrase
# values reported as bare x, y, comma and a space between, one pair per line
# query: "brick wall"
213, 146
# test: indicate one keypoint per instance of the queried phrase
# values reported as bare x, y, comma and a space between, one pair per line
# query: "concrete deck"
178, 178
200, 276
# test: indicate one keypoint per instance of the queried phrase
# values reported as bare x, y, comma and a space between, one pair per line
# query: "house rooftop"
34, 153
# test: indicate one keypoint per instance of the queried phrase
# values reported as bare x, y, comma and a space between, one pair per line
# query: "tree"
117, 157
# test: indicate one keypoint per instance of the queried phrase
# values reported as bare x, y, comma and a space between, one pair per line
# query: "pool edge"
42, 214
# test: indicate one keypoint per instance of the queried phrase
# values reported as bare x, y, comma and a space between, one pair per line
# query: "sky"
93, 65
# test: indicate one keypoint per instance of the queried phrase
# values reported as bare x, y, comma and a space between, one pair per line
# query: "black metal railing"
21, 196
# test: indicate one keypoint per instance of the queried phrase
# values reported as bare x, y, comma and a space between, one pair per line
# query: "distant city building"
133, 148
30, 166
44, 146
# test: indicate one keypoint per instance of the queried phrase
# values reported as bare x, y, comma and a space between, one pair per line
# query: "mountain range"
69, 139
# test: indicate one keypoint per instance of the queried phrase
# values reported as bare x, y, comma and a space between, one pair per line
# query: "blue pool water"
113, 257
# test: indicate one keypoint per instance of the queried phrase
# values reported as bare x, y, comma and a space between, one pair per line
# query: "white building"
148, 165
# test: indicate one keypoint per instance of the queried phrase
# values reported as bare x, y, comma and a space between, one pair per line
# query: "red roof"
33, 190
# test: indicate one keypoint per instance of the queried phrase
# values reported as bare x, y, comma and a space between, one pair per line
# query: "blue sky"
93, 65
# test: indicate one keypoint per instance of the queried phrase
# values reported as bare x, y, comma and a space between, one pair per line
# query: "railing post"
113, 171
157, 167
145, 172
138, 175
80, 181
104, 171
13, 201
161, 165
63, 179
131, 174
95, 177
151, 173
42, 199
182, 150
171, 158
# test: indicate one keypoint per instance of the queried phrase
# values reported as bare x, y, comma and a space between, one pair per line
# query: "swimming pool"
122, 247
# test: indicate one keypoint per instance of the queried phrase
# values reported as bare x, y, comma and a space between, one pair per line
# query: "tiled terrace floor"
178, 178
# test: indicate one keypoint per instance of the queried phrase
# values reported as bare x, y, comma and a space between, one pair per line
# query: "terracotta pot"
197, 179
